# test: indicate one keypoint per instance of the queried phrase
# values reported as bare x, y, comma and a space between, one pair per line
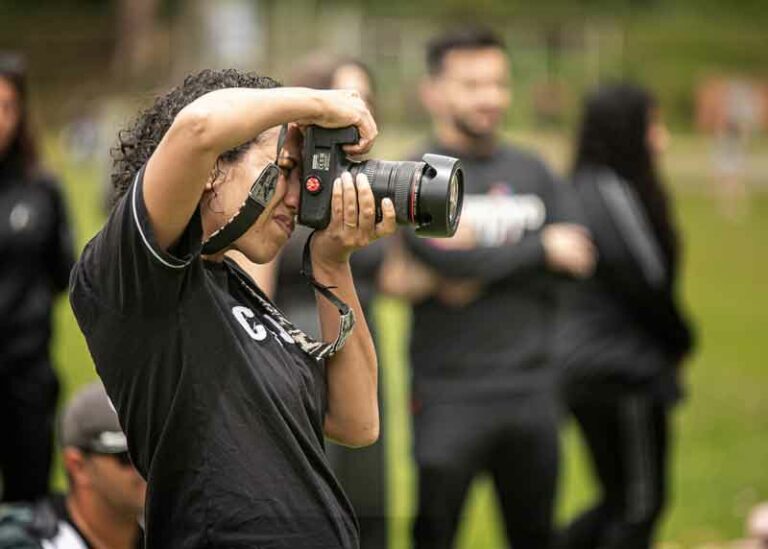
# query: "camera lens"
454, 199
427, 195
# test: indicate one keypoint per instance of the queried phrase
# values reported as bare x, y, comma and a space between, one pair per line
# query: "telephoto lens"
427, 194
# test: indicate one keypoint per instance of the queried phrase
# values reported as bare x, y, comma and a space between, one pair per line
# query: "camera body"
323, 160
427, 195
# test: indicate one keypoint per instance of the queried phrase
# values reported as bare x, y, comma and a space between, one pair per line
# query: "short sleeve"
123, 267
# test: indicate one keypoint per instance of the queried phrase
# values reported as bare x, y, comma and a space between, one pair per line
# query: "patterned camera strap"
254, 205
318, 350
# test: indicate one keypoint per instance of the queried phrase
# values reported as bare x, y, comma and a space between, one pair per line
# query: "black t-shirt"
36, 254
499, 343
222, 410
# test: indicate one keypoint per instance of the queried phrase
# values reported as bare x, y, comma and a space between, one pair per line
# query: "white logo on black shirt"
497, 220
21, 215
256, 331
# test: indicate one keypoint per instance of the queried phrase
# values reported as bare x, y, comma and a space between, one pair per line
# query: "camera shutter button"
313, 184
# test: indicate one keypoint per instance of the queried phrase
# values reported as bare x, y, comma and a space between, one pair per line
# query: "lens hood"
441, 195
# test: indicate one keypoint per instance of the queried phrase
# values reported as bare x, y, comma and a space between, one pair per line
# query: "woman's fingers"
353, 207
337, 204
388, 224
353, 219
366, 205
362, 118
368, 131
349, 193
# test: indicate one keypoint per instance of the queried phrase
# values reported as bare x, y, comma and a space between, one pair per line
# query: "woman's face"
10, 114
262, 242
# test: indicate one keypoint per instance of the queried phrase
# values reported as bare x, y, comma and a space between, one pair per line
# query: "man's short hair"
463, 38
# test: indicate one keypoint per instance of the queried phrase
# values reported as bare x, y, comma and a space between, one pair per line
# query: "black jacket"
623, 327
36, 255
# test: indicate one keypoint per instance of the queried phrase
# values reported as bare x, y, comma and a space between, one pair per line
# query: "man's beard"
472, 133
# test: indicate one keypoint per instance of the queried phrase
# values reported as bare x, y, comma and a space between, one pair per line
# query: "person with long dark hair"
224, 401
622, 336
36, 255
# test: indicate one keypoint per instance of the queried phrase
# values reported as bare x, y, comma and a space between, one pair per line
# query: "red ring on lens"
412, 206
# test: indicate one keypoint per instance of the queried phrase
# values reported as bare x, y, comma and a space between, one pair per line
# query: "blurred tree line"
87, 48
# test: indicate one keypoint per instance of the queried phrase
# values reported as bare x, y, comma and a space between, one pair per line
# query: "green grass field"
720, 464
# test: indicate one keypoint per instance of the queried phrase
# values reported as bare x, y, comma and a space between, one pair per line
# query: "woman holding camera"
622, 337
224, 402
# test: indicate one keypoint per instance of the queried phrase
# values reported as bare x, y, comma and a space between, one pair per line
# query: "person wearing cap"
106, 494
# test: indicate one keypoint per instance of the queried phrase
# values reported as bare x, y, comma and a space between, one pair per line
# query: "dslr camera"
427, 195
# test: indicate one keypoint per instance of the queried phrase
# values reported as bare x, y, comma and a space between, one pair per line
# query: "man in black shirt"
483, 388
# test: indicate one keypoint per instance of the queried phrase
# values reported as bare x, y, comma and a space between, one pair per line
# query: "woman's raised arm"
180, 166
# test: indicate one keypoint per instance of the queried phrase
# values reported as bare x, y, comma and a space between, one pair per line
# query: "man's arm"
482, 264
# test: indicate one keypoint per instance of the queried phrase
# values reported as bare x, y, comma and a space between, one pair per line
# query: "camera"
427, 195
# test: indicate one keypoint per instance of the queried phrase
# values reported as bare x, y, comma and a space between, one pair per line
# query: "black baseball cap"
89, 422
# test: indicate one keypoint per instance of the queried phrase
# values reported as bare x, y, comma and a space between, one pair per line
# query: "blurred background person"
106, 494
622, 337
482, 384
362, 471
729, 157
36, 256
757, 527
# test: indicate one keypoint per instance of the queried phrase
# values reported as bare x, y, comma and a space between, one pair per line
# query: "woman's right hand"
340, 108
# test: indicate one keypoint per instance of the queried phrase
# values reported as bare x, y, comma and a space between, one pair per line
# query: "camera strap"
258, 197
318, 350
347, 320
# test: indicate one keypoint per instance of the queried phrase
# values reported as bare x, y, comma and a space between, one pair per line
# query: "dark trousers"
627, 439
362, 474
514, 439
28, 395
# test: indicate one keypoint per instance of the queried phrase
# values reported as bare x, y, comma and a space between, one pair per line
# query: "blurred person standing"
106, 494
36, 255
622, 337
483, 387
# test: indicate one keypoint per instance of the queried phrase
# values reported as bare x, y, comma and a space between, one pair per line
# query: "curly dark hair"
137, 143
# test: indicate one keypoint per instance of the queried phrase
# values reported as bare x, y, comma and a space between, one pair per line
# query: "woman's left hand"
353, 221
